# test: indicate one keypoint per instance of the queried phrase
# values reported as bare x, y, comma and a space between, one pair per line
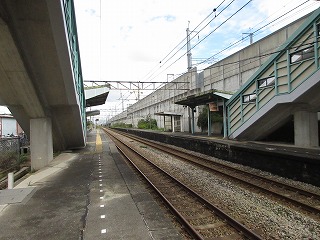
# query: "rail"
297, 196
173, 190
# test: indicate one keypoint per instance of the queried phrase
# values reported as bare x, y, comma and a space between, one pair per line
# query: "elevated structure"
272, 89
286, 85
40, 74
96, 96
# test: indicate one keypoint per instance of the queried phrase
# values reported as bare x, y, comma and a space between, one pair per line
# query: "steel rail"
186, 157
232, 222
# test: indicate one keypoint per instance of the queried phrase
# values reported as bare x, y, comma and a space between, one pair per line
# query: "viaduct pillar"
41, 145
306, 129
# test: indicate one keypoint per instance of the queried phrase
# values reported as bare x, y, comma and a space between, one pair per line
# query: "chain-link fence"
9, 153
14, 154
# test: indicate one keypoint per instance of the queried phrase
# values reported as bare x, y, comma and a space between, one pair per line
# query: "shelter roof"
93, 113
168, 114
204, 98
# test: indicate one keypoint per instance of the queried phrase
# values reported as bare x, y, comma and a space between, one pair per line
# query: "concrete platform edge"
59, 163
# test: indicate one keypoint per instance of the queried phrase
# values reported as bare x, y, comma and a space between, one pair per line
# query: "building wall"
9, 126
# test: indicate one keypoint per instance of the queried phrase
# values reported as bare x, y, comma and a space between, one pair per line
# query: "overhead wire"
301, 10
205, 37
184, 40
254, 59
239, 41
200, 30
259, 57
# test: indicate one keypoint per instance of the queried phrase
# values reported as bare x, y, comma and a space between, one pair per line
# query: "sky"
145, 40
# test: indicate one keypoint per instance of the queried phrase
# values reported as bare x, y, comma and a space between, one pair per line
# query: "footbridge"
285, 87
40, 74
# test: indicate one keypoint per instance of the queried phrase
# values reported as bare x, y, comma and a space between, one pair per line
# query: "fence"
9, 153
10, 156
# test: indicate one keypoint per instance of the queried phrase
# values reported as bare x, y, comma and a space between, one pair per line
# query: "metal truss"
130, 85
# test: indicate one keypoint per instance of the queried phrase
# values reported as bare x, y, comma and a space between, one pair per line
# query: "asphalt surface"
56, 210
93, 195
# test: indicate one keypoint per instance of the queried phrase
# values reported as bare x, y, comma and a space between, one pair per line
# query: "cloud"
91, 12
168, 18
131, 37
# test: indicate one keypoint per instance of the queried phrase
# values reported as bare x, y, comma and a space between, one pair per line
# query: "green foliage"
203, 118
121, 125
89, 124
148, 123
24, 158
216, 117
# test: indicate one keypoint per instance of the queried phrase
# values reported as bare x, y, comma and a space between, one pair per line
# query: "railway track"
201, 218
299, 197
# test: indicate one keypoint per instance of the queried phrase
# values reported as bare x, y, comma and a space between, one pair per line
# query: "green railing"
71, 26
293, 63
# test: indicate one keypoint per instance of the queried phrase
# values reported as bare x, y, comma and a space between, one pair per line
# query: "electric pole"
251, 37
122, 101
189, 49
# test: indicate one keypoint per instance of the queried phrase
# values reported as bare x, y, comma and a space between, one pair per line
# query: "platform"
88, 194
285, 160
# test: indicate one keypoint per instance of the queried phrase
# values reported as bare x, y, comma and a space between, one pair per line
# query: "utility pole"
122, 101
138, 92
251, 37
189, 49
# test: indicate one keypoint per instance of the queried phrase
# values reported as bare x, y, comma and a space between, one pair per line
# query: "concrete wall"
232, 72
159, 101
287, 164
227, 75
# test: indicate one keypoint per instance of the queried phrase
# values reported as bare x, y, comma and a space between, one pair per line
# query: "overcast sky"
126, 40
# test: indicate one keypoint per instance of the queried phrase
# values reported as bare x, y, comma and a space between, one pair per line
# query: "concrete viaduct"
40, 74
257, 89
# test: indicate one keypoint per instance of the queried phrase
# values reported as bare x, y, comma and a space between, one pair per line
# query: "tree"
203, 118
147, 123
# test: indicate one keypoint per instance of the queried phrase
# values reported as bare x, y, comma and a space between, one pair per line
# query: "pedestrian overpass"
285, 86
40, 74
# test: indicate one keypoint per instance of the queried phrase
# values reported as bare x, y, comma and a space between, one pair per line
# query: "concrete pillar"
172, 123
192, 120
209, 122
306, 129
41, 146
225, 134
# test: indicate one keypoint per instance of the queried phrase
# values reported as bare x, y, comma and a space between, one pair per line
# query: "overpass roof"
96, 96
97, 100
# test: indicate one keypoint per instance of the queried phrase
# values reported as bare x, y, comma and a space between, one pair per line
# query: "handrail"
71, 26
295, 73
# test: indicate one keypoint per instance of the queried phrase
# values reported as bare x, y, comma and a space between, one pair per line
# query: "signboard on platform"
213, 107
